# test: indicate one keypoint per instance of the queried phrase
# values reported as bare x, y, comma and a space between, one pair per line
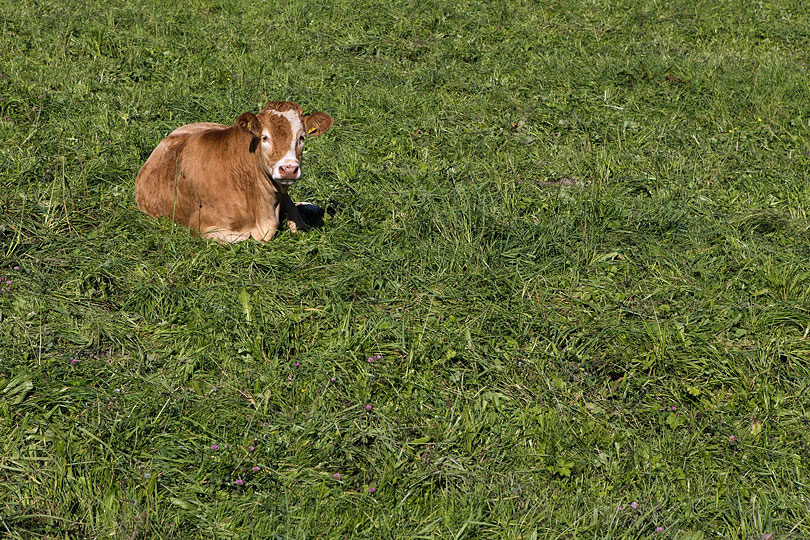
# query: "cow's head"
279, 132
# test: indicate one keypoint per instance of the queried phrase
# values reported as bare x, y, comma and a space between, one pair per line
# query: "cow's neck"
270, 191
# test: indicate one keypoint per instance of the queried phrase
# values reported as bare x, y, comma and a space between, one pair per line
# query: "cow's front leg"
294, 220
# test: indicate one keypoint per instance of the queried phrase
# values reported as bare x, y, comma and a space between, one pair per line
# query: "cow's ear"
317, 123
250, 123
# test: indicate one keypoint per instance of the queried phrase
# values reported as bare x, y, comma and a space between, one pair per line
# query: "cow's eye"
265, 138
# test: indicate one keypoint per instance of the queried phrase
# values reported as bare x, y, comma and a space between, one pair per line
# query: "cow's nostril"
289, 170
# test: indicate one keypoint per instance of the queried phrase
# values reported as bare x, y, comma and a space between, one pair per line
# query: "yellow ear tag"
312, 129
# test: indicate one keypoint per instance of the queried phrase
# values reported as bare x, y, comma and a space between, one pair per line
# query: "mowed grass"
565, 292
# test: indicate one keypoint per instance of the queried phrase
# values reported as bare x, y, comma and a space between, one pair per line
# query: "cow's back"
157, 185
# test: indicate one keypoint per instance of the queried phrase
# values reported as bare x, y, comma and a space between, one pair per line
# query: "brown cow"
231, 182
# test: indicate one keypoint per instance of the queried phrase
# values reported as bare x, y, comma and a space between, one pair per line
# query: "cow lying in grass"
231, 182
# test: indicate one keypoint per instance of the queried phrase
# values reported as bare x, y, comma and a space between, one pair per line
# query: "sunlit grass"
563, 293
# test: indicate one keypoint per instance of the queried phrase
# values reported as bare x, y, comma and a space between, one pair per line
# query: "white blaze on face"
288, 168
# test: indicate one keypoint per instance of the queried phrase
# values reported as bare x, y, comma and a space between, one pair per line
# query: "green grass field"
565, 292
